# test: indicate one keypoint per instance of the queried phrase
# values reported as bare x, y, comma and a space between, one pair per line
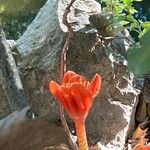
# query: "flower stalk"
81, 134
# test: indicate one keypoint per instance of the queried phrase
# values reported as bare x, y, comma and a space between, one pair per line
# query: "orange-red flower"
76, 94
142, 147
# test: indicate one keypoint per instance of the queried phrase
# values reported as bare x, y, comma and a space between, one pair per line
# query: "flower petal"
77, 78
70, 105
95, 85
55, 90
67, 76
82, 98
53, 87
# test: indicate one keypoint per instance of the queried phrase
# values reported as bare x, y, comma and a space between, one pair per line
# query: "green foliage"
146, 27
139, 57
17, 15
123, 11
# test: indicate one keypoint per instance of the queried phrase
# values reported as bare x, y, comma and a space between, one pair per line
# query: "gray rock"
15, 117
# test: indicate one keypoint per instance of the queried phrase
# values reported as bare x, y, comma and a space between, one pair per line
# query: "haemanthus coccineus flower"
76, 93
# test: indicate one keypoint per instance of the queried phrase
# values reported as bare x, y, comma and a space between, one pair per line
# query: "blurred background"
16, 15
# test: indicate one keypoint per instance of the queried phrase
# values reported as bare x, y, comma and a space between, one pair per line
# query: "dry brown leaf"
139, 137
139, 133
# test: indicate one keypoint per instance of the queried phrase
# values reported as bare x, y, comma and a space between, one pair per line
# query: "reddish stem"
63, 69
61, 109
63, 59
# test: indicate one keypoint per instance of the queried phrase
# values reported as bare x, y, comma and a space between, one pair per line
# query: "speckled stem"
81, 134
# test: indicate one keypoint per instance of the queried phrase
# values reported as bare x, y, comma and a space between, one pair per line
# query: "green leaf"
123, 22
132, 10
146, 25
138, 0
128, 2
139, 58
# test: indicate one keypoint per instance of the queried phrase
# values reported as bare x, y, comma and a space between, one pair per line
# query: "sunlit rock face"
40, 48
112, 116
113, 112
